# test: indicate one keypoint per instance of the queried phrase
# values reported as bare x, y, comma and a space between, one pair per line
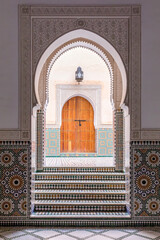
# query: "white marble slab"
79, 162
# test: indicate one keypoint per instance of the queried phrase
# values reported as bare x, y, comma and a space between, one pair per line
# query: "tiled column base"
118, 135
40, 139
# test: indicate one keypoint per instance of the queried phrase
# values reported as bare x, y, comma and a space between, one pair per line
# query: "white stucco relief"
88, 35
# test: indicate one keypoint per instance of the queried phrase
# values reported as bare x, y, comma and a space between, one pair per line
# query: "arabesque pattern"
146, 180
14, 160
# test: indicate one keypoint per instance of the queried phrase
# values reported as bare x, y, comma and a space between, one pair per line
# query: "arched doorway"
117, 95
77, 129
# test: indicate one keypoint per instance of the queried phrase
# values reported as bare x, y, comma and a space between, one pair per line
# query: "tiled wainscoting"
14, 182
15, 188
104, 142
145, 183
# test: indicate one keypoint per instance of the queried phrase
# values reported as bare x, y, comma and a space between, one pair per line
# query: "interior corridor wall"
145, 155
9, 96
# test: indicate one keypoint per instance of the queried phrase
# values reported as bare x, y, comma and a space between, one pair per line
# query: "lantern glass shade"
79, 74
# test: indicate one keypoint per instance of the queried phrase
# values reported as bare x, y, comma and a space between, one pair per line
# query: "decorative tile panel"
14, 184
52, 142
118, 131
105, 142
40, 139
146, 180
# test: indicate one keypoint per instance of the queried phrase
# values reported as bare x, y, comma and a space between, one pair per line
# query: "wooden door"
77, 129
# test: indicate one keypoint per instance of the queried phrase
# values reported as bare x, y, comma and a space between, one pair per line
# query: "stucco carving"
81, 11
115, 30
150, 134
10, 135
136, 75
45, 31
43, 81
122, 32
25, 65
116, 85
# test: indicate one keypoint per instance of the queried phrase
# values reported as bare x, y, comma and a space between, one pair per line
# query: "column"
40, 139
118, 139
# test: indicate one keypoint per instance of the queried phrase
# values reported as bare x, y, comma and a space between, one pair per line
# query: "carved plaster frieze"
117, 87
45, 31
9, 135
135, 135
42, 85
150, 134
113, 10
25, 73
135, 80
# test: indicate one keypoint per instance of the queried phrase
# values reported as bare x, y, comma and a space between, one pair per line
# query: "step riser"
78, 177
79, 169
80, 197
72, 215
80, 208
81, 186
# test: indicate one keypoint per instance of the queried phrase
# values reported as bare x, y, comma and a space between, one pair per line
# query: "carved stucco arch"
100, 46
118, 83
69, 46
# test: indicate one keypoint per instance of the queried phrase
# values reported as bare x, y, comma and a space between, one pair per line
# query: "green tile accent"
104, 143
52, 143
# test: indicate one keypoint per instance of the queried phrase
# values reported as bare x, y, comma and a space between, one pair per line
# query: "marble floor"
79, 162
33, 233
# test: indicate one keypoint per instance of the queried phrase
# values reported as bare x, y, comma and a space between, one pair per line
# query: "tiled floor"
31, 233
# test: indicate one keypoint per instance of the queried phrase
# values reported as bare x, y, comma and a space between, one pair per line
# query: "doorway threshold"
79, 162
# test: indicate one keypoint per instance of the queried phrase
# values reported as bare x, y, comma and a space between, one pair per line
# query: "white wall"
9, 57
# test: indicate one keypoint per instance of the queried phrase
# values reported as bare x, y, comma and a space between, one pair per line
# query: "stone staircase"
79, 192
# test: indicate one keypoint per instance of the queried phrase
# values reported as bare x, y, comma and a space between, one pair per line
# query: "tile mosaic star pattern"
146, 180
32, 233
13, 184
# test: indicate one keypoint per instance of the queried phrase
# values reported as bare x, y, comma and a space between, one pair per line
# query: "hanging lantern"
79, 75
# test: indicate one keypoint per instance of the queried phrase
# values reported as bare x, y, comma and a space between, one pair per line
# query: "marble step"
80, 191
79, 194
78, 202
85, 185
78, 181
79, 176
80, 214
80, 208
78, 169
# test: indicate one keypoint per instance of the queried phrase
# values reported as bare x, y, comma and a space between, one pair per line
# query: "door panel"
79, 135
